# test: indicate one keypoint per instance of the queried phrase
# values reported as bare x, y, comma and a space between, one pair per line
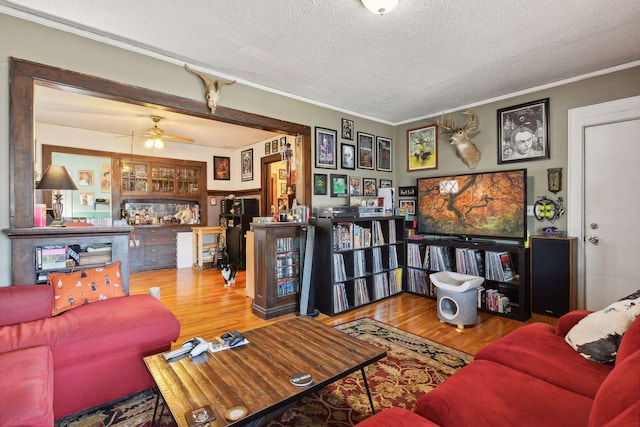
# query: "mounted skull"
213, 88
459, 137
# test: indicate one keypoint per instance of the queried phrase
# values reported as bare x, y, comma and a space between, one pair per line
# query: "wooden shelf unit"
378, 265
517, 289
202, 245
278, 248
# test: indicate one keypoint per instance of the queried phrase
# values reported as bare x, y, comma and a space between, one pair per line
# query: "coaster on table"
235, 413
301, 379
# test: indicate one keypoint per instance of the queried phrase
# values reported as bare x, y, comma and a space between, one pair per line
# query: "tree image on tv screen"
489, 204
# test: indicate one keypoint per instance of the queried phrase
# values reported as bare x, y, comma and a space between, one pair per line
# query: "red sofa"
81, 358
532, 377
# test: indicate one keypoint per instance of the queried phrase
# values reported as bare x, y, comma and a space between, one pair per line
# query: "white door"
611, 211
604, 199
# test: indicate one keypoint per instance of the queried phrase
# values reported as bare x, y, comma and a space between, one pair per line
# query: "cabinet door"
135, 178
163, 179
188, 180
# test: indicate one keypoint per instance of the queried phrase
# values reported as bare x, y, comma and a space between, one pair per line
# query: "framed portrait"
246, 157
274, 146
267, 148
409, 206
326, 149
221, 168
355, 186
365, 150
283, 142
422, 148
369, 187
383, 154
85, 177
320, 184
105, 178
86, 198
347, 156
282, 174
338, 185
347, 129
385, 183
523, 132
283, 188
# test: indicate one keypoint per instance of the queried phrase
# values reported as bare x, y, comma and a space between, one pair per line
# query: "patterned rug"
413, 366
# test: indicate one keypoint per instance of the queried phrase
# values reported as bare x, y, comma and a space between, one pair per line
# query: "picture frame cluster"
366, 152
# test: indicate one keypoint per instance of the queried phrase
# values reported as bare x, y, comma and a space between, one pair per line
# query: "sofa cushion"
396, 417
536, 350
26, 387
85, 286
617, 403
597, 336
485, 393
24, 303
630, 342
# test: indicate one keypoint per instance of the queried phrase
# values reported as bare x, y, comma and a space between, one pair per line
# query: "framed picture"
85, 177
221, 168
369, 187
267, 148
283, 188
274, 146
347, 129
282, 174
105, 178
338, 185
408, 191
422, 148
355, 186
365, 150
383, 154
326, 149
283, 142
523, 132
409, 206
247, 164
320, 184
213, 201
347, 156
385, 183
86, 198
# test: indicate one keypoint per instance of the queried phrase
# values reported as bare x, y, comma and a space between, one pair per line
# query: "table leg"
155, 409
366, 386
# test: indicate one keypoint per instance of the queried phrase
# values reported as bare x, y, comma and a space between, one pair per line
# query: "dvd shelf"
505, 268
363, 263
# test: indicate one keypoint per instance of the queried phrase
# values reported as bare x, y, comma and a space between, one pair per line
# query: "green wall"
34, 42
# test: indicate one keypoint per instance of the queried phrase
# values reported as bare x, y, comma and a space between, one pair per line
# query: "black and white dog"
229, 272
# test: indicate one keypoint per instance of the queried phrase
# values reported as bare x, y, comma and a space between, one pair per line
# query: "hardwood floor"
206, 308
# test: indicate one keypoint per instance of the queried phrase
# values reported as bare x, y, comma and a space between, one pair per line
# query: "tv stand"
456, 255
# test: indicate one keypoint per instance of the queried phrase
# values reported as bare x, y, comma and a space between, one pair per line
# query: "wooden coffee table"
257, 375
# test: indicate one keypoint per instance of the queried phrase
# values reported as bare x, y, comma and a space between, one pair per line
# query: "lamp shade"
56, 177
380, 6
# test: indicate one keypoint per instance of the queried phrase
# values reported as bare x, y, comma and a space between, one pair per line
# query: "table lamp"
56, 178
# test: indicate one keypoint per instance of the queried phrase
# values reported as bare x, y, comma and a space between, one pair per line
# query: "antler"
213, 88
448, 124
472, 120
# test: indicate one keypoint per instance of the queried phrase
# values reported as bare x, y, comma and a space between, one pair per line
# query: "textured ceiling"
424, 57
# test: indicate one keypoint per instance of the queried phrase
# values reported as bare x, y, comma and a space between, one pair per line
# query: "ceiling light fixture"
380, 6
156, 143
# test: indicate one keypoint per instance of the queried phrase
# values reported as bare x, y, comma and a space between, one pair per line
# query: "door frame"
580, 118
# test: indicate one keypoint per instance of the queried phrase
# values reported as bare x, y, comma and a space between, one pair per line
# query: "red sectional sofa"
532, 377
52, 366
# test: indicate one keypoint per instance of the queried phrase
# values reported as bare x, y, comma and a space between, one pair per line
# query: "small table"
199, 244
257, 375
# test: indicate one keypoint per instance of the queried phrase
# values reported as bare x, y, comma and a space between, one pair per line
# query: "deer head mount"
459, 137
213, 88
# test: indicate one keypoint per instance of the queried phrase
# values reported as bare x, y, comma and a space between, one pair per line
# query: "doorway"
24, 75
277, 189
602, 199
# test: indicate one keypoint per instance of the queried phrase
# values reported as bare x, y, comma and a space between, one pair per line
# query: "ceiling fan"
156, 137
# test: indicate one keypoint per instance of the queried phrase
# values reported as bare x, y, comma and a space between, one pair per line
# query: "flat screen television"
489, 205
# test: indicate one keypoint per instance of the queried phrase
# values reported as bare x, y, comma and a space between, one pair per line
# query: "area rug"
413, 366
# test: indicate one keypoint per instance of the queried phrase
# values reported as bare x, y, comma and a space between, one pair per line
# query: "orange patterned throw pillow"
85, 286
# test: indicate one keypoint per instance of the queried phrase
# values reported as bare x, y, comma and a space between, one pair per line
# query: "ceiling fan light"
380, 6
158, 144
149, 143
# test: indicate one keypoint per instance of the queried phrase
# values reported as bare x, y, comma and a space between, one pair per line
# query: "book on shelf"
395, 281
339, 271
392, 232
359, 263
393, 257
377, 235
343, 236
360, 292
376, 254
51, 257
340, 302
498, 266
441, 258
380, 286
